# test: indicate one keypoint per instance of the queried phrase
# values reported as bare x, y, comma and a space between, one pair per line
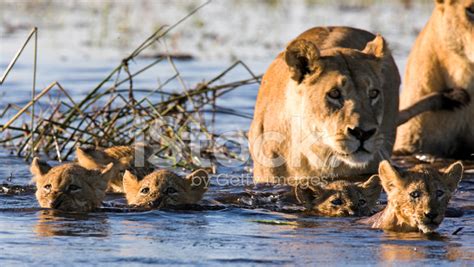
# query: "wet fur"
403, 212
164, 189
69, 187
340, 198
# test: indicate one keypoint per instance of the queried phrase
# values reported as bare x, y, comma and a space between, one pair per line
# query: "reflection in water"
415, 247
57, 223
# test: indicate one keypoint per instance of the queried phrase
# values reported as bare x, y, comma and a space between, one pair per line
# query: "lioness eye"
170, 190
47, 187
374, 93
336, 202
145, 190
439, 193
415, 194
335, 94
73, 187
362, 202
470, 12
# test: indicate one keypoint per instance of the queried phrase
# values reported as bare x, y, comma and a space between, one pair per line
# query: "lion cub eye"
145, 190
439, 193
415, 194
335, 94
362, 202
170, 190
336, 202
73, 188
47, 187
374, 93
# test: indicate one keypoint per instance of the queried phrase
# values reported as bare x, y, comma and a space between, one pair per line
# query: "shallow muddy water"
213, 234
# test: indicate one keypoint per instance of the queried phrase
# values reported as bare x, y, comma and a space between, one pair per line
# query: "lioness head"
69, 187
420, 196
456, 26
163, 188
338, 93
341, 198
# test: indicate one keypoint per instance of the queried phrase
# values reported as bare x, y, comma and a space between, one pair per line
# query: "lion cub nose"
431, 215
360, 134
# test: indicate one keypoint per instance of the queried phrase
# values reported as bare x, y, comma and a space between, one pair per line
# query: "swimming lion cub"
69, 187
340, 198
417, 198
162, 188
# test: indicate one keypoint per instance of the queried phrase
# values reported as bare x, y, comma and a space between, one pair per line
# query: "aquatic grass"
115, 112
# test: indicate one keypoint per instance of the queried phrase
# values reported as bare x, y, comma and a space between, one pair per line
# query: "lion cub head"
163, 188
338, 93
454, 23
341, 198
69, 187
418, 198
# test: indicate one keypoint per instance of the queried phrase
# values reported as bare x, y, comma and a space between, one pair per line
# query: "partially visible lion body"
340, 198
442, 58
279, 106
123, 157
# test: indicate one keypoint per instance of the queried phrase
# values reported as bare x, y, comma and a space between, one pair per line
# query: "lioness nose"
431, 215
361, 134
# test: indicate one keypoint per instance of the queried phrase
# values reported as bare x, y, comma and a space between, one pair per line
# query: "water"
78, 54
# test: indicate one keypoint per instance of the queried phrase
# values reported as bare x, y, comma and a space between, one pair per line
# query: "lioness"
442, 58
123, 158
69, 187
162, 188
417, 198
328, 106
340, 198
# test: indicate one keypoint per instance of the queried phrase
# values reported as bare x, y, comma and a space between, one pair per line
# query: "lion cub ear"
453, 175
302, 57
389, 177
305, 193
131, 185
39, 168
198, 179
90, 158
372, 187
377, 47
107, 172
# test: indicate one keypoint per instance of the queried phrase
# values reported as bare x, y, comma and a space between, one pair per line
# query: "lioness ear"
302, 57
89, 158
198, 179
39, 168
372, 187
453, 175
306, 193
130, 183
389, 176
377, 47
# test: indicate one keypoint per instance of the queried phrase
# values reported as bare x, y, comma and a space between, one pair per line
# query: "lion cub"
123, 158
69, 187
162, 188
417, 198
341, 198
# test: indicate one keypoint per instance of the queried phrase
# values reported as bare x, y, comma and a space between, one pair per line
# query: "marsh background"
81, 41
